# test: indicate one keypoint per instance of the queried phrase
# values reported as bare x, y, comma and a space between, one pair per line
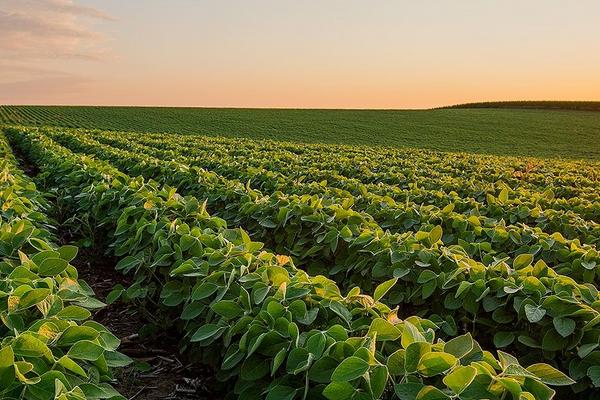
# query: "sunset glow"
280, 53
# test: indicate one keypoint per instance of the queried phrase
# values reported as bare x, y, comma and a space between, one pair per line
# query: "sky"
297, 54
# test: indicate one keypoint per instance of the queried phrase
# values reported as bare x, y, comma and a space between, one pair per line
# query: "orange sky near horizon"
282, 53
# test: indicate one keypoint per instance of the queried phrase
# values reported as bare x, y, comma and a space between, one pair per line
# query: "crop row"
49, 349
496, 204
466, 174
481, 238
523, 301
389, 213
277, 331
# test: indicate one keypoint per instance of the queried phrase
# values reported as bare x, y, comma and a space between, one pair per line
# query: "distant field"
542, 105
519, 132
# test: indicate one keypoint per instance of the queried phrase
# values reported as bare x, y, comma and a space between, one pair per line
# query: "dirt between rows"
159, 371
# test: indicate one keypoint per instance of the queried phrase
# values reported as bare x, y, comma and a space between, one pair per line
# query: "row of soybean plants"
276, 331
495, 203
524, 302
574, 184
49, 348
459, 227
282, 223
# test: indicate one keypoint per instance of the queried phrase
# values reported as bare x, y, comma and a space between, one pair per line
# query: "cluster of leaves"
286, 215
549, 133
48, 347
276, 330
523, 300
397, 206
423, 176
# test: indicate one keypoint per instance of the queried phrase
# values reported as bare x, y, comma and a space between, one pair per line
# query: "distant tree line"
546, 105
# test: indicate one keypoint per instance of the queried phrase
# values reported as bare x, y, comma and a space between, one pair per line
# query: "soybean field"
139, 264
521, 131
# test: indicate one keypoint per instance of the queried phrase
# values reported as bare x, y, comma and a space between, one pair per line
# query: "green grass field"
517, 132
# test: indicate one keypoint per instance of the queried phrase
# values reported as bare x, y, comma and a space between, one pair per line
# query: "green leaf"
114, 359
431, 393
281, 392
503, 339
378, 380
533, 313
460, 378
278, 360
594, 374
72, 366
206, 332
408, 391
299, 360
350, 369
27, 345
564, 326
550, 375
411, 334
339, 391
460, 346
204, 290
385, 330
74, 313
228, 309
413, 355
52, 266
254, 369
503, 195
33, 297
7, 368
68, 252
436, 363
522, 261
85, 350
322, 369
383, 288
435, 235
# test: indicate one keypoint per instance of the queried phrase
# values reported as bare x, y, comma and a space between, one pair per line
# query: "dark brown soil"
158, 371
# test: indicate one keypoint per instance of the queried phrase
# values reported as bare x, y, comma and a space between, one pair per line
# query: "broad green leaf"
436, 363
33, 297
460, 378
74, 313
350, 369
27, 345
68, 252
385, 330
503, 339
207, 331
339, 391
228, 309
383, 288
7, 369
533, 313
522, 261
594, 373
435, 235
85, 350
52, 266
550, 375
431, 393
460, 346
281, 392
411, 334
564, 326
